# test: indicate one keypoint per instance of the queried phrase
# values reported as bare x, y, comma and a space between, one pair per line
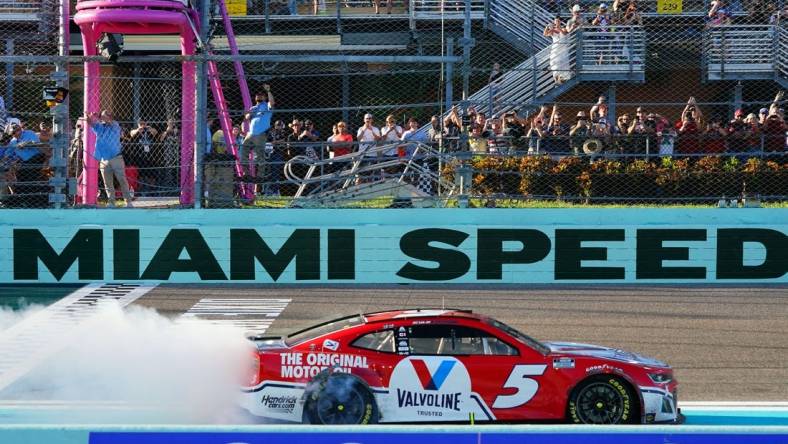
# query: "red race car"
437, 365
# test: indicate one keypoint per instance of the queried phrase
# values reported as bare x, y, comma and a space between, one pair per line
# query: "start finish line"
381, 246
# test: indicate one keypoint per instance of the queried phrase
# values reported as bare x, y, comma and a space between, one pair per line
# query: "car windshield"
522, 337
323, 329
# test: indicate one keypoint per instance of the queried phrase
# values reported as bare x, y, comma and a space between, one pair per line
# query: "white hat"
602, 6
576, 8
13, 121
368, 116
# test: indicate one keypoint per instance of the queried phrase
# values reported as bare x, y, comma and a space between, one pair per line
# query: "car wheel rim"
340, 408
600, 403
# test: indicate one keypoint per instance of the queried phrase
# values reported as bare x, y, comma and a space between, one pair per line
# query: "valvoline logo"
432, 381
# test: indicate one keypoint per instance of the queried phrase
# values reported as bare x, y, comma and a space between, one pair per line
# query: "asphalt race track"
725, 343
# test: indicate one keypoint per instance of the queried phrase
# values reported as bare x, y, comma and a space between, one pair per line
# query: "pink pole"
188, 88
89, 184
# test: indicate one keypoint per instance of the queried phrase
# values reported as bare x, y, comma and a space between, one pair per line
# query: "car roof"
397, 315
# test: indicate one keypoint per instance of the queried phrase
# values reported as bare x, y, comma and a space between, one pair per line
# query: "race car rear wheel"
603, 399
341, 399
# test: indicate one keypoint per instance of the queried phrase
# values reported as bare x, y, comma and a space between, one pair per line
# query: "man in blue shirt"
259, 117
21, 141
107, 152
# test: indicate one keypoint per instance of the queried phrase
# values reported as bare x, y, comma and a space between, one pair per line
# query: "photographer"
580, 132
143, 155
689, 128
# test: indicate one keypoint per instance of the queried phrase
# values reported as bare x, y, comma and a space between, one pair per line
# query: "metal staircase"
520, 23
746, 52
364, 175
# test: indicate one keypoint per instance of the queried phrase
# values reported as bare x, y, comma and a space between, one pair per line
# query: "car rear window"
323, 329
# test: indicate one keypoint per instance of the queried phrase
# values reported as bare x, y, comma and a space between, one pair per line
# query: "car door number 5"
526, 387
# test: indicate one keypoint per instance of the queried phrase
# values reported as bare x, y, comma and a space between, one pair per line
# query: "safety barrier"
533, 434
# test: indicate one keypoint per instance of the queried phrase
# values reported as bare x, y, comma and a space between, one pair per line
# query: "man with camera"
259, 117
107, 152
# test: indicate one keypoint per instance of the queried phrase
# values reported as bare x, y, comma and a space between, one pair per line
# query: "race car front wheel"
603, 399
340, 399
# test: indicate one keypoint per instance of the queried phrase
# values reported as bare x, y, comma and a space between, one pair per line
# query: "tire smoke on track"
135, 357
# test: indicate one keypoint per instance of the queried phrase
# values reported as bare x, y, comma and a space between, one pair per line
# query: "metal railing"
370, 173
436, 9
739, 51
613, 49
616, 54
781, 62
520, 22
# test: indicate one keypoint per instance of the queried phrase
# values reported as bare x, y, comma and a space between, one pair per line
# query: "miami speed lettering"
187, 251
295, 366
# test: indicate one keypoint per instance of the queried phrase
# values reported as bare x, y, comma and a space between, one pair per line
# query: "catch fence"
640, 105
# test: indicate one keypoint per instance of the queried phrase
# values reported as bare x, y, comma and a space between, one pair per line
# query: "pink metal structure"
96, 17
137, 17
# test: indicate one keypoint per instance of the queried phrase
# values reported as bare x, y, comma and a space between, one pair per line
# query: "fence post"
339, 18
60, 125
9, 75
202, 103
449, 82
267, 13
467, 43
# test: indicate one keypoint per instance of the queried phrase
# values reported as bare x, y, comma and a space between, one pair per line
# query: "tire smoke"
156, 369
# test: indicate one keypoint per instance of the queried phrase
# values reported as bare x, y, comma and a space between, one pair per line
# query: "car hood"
598, 351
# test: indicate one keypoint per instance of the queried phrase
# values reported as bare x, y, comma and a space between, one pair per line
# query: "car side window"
440, 339
382, 341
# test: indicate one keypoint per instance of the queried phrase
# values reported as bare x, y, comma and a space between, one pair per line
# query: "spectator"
334, 133
628, 16
602, 21
170, 140
639, 133
434, 132
514, 130
343, 141
536, 134
600, 131
718, 14
144, 155
556, 140
452, 124
107, 152
738, 133
559, 50
763, 113
277, 137
598, 112
580, 132
3, 115
689, 128
24, 144
477, 142
754, 129
620, 134
238, 136
259, 117
714, 137
390, 134
576, 21
368, 134
310, 138
667, 135
774, 129
292, 7
497, 142
414, 136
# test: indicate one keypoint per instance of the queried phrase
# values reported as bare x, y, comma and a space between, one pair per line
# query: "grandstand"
332, 61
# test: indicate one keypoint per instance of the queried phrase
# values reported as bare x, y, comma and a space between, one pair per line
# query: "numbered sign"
236, 7
669, 6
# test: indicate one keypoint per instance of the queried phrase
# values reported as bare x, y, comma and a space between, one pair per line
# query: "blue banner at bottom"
432, 438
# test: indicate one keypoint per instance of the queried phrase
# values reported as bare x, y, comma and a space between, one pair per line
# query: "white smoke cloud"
9, 317
169, 372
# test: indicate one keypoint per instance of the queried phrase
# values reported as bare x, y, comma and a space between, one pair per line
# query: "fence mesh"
524, 102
